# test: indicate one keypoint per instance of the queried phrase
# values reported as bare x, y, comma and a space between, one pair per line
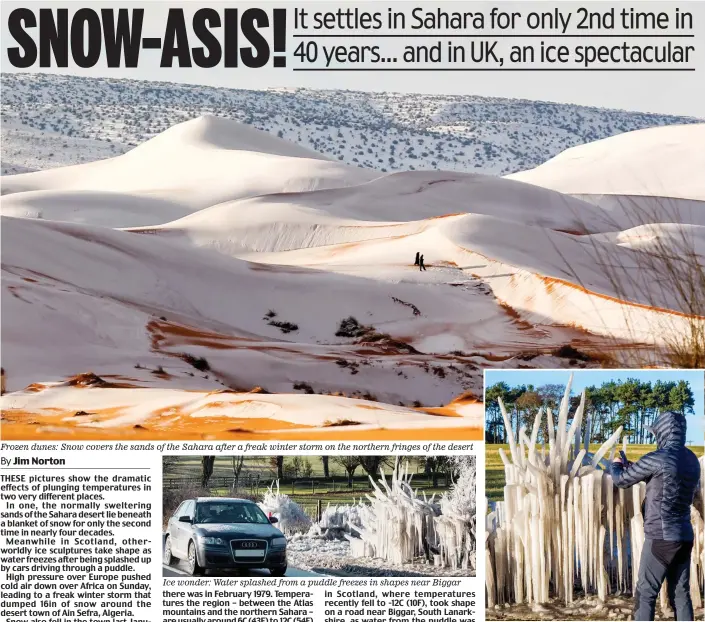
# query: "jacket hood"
669, 429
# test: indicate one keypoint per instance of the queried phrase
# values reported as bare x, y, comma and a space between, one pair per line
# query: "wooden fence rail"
254, 484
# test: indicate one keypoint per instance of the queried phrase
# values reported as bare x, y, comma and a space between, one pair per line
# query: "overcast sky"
673, 93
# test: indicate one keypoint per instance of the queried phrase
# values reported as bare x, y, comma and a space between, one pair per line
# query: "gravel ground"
585, 608
310, 553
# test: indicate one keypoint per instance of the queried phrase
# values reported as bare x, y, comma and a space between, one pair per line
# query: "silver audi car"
224, 533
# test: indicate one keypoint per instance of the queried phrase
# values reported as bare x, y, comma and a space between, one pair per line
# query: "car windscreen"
224, 512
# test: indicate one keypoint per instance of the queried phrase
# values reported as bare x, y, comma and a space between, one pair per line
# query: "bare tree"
326, 470
277, 462
237, 462
435, 466
349, 463
206, 469
372, 464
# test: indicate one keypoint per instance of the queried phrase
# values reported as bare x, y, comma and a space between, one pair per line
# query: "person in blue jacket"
672, 476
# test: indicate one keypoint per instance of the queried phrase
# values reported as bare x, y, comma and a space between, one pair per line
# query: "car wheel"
169, 558
278, 572
193, 567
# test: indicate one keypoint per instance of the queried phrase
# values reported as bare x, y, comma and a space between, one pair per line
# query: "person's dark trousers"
664, 560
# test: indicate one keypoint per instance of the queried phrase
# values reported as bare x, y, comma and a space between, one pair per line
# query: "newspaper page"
380, 311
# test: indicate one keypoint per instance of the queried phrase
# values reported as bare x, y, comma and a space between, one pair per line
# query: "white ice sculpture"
456, 524
292, 518
399, 525
562, 522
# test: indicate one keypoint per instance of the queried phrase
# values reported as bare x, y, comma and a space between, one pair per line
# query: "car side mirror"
185, 519
273, 519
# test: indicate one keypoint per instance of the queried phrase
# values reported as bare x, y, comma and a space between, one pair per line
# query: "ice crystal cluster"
400, 525
395, 523
291, 516
563, 525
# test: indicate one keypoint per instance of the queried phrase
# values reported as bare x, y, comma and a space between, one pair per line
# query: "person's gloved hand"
621, 458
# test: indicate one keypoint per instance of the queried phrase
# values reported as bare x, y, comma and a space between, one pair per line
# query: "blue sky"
587, 377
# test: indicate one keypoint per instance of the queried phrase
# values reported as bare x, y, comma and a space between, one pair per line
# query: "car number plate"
244, 553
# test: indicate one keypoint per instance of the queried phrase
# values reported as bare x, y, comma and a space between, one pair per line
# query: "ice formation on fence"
456, 524
292, 518
395, 523
562, 522
345, 518
399, 525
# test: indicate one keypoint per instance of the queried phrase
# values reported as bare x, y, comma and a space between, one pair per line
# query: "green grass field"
494, 470
306, 490
190, 466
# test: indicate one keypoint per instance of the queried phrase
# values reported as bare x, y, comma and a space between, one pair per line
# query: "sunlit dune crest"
218, 281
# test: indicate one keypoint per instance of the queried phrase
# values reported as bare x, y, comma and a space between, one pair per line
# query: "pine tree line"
631, 403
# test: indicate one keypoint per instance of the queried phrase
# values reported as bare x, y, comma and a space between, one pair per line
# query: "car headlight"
278, 543
209, 540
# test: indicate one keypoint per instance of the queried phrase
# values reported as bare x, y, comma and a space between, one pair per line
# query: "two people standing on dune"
419, 261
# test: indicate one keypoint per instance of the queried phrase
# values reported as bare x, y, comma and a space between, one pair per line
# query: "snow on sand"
121, 411
215, 256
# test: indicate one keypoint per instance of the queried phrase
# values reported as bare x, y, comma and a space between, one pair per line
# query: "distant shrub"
305, 387
440, 372
569, 352
198, 362
350, 327
339, 422
285, 327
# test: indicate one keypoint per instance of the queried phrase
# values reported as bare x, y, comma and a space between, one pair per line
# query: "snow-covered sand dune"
657, 162
418, 195
215, 256
96, 294
106, 209
392, 206
268, 224
200, 163
62, 411
547, 277
655, 238
647, 177
265, 228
